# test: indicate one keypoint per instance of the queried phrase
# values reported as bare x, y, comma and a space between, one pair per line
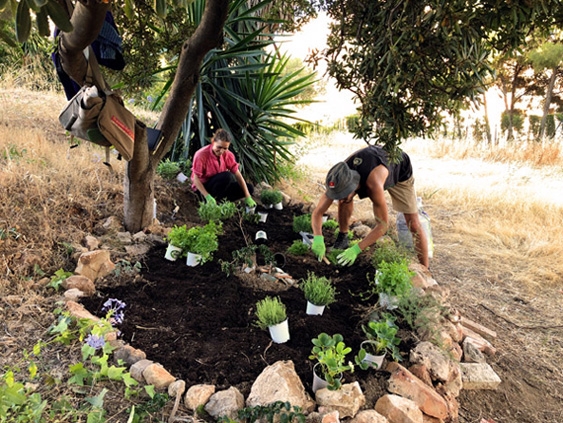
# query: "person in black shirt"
369, 173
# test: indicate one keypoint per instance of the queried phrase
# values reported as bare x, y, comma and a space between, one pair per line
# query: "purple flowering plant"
114, 310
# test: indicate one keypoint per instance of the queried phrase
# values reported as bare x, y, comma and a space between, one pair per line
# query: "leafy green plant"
222, 211
318, 290
270, 311
298, 248
270, 196
387, 250
383, 334
330, 352
302, 223
332, 255
58, 278
177, 236
278, 411
168, 169
394, 279
203, 240
330, 224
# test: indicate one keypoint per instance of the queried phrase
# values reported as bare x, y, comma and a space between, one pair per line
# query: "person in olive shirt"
369, 173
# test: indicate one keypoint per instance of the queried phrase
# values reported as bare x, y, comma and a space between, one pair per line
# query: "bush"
386, 250
223, 211
271, 196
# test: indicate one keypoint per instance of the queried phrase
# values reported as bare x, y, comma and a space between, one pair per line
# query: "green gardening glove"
210, 199
348, 256
250, 202
318, 246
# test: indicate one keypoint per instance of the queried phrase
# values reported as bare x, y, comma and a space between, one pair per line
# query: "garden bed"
199, 323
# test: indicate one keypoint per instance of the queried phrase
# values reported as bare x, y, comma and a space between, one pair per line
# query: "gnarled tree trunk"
87, 19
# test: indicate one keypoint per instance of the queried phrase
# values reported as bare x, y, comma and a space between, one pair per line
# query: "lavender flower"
115, 307
95, 341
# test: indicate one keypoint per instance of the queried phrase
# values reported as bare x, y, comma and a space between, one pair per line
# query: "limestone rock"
279, 382
225, 403
369, 416
347, 400
94, 264
198, 395
81, 283
398, 409
158, 376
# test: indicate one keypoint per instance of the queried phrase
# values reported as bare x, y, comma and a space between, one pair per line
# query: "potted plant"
168, 169
210, 211
392, 281
271, 314
381, 339
177, 238
202, 241
330, 353
319, 293
271, 198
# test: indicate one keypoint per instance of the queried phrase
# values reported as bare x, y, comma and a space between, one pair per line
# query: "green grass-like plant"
318, 290
270, 311
330, 224
387, 250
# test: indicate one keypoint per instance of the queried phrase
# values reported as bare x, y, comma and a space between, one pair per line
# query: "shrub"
386, 250
393, 279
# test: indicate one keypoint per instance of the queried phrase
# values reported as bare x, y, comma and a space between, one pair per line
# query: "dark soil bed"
199, 323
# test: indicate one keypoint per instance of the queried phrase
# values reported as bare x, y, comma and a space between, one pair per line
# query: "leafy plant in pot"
177, 238
381, 340
330, 353
271, 197
271, 314
319, 293
203, 241
392, 282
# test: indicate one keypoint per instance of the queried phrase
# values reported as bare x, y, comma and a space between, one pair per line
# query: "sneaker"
342, 241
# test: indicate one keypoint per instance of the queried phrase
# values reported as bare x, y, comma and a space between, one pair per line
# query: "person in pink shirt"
216, 175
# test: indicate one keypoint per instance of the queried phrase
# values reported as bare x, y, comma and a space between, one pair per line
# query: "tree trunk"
547, 102
87, 20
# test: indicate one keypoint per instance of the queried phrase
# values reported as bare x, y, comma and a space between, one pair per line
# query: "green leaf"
161, 8
23, 22
59, 16
43, 23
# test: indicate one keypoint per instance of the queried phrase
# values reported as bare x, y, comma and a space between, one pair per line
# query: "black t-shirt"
366, 159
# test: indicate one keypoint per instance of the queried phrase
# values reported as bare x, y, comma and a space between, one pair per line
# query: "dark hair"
222, 135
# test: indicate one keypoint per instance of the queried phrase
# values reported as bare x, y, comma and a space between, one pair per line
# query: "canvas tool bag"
97, 114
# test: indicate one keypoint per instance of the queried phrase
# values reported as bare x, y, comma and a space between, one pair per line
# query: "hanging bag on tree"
97, 114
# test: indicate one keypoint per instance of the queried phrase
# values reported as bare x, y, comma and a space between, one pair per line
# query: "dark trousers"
224, 186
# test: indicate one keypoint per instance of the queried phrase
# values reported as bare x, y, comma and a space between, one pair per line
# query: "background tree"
407, 62
548, 57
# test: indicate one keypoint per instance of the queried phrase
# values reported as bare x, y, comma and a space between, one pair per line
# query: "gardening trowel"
308, 240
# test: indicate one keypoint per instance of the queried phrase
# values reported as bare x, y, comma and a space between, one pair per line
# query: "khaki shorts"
403, 196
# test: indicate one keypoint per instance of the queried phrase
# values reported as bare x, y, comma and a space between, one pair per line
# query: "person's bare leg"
419, 237
345, 209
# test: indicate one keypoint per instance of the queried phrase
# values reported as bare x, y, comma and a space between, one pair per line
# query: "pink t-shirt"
206, 164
